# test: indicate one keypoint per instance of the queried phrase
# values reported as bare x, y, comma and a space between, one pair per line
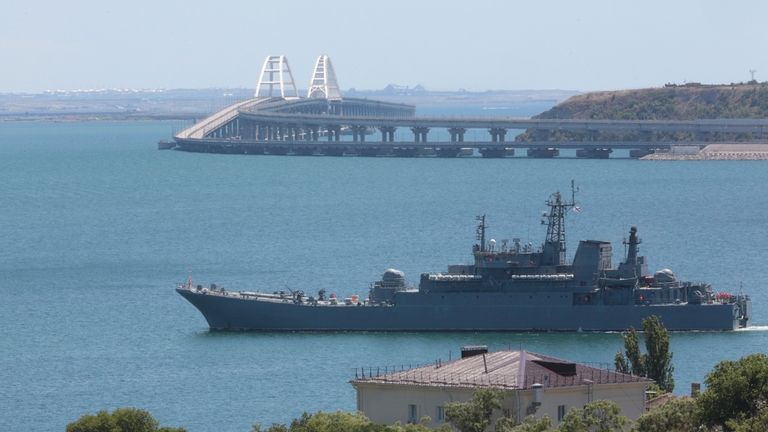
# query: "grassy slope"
671, 103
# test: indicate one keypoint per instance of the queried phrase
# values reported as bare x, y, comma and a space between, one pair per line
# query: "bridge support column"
498, 134
420, 134
358, 133
334, 133
457, 134
387, 133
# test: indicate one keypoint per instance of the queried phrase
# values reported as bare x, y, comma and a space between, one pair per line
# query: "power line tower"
752, 73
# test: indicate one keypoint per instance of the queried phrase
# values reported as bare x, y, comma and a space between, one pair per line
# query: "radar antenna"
554, 246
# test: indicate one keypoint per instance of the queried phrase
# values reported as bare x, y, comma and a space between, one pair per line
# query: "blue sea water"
97, 227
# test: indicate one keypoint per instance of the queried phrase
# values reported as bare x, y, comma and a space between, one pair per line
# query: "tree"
342, 422
656, 362
120, 420
677, 415
658, 358
475, 415
597, 416
735, 392
758, 423
530, 424
634, 362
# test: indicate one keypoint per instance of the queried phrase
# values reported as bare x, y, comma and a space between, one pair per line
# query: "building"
533, 384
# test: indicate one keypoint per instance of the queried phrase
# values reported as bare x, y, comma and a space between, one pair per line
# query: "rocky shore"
715, 152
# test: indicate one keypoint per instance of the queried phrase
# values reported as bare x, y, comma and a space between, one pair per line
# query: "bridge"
278, 121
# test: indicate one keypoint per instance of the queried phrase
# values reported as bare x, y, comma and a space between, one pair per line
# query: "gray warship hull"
506, 288
231, 311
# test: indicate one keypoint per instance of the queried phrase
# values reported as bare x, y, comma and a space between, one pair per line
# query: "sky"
441, 44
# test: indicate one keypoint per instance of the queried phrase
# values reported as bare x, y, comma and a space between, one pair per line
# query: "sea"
97, 227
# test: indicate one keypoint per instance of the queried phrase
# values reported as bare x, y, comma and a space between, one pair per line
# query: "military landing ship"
507, 288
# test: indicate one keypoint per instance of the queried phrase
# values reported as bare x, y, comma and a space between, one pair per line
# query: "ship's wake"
755, 328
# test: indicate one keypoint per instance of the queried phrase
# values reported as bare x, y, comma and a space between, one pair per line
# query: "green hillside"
672, 102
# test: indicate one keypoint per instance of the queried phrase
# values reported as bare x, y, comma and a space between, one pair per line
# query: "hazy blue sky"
476, 45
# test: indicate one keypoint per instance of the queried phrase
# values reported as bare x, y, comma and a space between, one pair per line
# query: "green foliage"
632, 361
342, 422
530, 424
120, 420
758, 423
677, 415
672, 103
736, 391
329, 422
597, 416
621, 363
656, 363
475, 415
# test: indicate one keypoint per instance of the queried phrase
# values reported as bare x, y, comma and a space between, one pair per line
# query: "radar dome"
393, 275
664, 275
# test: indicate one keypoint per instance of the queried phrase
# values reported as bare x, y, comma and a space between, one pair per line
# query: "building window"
412, 413
440, 414
560, 412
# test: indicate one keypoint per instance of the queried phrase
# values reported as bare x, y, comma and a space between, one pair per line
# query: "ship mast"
481, 226
554, 246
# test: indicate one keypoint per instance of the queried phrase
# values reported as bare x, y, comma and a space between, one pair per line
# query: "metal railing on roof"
422, 376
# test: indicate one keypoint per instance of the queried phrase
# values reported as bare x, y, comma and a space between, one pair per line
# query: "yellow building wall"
389, 403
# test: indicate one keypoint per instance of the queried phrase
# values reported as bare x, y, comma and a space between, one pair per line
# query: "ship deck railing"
280, 298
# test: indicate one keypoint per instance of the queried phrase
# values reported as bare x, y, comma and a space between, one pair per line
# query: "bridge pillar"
387, 133
497, 134
457, 134
420, 134
333, 133
358, 133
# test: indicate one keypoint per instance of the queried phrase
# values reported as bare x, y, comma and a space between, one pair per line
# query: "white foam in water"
754, 328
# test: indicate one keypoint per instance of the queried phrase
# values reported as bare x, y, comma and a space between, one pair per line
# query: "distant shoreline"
192, 104
95, 117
